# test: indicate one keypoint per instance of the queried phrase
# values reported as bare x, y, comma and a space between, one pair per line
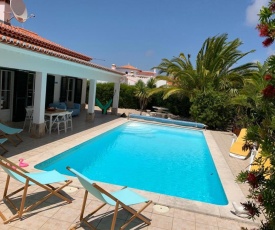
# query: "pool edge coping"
175, 202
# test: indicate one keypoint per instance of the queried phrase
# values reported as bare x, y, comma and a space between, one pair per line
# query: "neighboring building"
133, 74
35, 72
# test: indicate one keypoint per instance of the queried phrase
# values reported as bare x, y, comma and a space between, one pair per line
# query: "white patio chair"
29, 117
47, 123
69, 120
60, 123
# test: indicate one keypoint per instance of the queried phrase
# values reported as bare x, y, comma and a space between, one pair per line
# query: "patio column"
91, 101
116, 98
38, 125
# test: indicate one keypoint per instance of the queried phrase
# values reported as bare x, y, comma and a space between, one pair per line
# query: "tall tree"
216, 68
142, 93
249, 100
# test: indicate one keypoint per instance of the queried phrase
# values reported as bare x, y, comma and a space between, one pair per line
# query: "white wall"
160, 83
14, 57
5, 11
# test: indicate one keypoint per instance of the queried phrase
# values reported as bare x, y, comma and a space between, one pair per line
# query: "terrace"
181, 214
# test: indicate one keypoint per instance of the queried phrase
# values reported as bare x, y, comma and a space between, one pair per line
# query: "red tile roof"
127, 67
146, 73
29, 40
27, 36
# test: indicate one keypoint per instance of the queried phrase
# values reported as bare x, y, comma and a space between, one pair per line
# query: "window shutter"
63, 89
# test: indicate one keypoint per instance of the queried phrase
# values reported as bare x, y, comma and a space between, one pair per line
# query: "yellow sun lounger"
254, 166
237, 145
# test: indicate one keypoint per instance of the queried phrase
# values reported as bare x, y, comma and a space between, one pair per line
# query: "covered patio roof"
23, 49
26, 51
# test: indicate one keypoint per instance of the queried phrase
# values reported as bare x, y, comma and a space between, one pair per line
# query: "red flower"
267, 77
263, 29
260, 198
272, 7
269, 91
268, 41
251, 177
251, 208
252, 180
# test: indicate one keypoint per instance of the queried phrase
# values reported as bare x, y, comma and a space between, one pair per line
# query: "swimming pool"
161, 159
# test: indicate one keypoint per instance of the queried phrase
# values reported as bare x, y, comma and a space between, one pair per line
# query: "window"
5, 88
71, 90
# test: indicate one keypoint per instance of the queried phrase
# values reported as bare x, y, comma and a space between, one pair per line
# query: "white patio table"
160, 112
160, 109
52, 114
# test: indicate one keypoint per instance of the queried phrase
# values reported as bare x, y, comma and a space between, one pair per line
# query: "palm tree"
216, 68
249, 99
142, 93
151, 83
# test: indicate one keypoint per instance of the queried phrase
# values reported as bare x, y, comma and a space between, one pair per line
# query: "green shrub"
104, 92
127, 97
176, 105
212, 108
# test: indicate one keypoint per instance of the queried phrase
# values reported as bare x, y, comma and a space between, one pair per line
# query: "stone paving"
181, 214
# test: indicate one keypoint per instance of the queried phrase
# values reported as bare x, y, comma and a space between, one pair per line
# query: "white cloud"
253, 10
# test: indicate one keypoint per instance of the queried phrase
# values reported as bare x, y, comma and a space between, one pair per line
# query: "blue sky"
143, 32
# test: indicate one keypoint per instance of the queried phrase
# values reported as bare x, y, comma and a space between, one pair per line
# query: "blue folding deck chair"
42, 179
2, 140
124, 198
9, 132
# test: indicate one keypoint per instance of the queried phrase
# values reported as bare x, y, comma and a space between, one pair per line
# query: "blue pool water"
150, 157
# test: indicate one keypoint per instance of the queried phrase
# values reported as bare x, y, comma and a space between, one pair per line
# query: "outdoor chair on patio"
236, 149
69, 120
9, 133
2, 140
254, 162
122, 198
28, 117
60, 123
41, 179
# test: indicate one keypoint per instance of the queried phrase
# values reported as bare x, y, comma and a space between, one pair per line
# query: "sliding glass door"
6, 80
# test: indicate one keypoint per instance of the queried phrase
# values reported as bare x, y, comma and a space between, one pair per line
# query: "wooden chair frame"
10, 135
23, 173
1, 145
135, 213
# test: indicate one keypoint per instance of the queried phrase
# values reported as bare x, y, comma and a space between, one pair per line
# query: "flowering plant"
261, 179
266, 26
269, 90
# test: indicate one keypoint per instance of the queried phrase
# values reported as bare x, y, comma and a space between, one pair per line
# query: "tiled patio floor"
182, 214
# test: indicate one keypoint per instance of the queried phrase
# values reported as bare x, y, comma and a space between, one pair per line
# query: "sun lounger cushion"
236, 148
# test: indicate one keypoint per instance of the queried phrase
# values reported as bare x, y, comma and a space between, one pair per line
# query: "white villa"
35, 72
